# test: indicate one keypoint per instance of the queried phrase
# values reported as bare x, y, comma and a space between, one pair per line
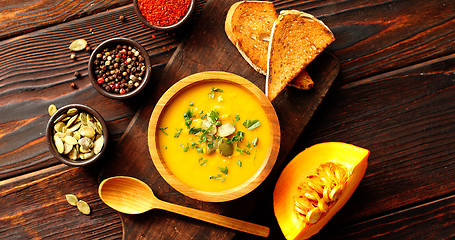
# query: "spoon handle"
214, 218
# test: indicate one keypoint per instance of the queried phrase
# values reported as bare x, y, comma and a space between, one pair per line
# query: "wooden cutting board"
208, 49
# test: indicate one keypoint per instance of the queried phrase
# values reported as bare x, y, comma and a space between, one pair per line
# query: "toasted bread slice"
296, 39
248, 26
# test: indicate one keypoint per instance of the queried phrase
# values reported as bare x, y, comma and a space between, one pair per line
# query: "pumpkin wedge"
315, 185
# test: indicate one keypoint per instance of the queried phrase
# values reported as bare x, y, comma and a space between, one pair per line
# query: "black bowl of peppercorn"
119, 68
163, 15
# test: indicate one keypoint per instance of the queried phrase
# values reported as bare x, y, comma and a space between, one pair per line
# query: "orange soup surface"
214, 136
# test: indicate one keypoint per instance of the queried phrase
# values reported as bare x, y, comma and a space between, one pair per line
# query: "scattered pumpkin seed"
83, 207
52, 109
78, 45
72, 199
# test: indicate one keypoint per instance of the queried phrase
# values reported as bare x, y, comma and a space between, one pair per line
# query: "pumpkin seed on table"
51, 109
83, 207
72, 199
78, 45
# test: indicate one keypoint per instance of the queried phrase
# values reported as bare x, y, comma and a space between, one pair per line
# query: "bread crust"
312, 41
236, 39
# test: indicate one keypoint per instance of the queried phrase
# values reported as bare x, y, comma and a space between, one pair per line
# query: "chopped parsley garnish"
185, 149
243, 151
194, 130
165, 147
251, 124
255, 141
239, 163
223, 170
204, 134
214, 116
239, 136
177, 134
188, 116
248, 145
212, 92
199, 150
202, 161
237, 117
191, 104
162, 130
217, 177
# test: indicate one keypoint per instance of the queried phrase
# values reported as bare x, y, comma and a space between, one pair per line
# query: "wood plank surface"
37, 71
19, 17
33, 210
394, 96
407, 121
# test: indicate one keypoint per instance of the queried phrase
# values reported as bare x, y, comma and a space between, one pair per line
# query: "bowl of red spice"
119, 68
163, 14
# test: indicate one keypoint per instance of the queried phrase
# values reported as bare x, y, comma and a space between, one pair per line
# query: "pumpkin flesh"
296, 187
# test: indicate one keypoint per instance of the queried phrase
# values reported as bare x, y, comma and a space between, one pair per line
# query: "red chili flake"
116, 85
100, 80
90, 30
163, 12
153, 36
122, 91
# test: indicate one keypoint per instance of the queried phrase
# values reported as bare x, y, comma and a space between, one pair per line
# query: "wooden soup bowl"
216, 77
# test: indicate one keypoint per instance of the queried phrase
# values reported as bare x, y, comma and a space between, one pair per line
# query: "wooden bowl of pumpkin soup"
214, 136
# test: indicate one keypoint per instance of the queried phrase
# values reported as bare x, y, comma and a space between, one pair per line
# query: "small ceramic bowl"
164, 28
50, 132
110, 44
192, 177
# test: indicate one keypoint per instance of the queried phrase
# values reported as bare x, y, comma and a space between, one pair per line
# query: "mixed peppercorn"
120, 69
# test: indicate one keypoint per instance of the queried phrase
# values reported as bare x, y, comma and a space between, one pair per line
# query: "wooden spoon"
132, 196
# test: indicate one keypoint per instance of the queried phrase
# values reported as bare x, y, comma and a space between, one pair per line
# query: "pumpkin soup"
214, 136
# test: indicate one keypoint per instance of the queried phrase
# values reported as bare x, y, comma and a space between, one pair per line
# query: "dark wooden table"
394, 95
